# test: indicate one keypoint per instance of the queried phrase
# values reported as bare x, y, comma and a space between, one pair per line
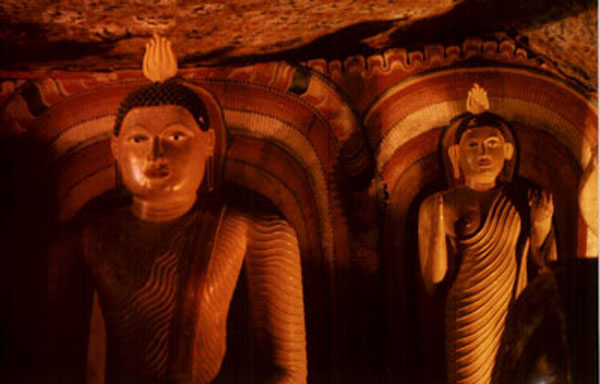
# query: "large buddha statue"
478, 237
162, 269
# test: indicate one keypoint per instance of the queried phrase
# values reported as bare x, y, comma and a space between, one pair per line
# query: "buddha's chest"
468, 212
467, 219
127, 257
121, 265
136, 288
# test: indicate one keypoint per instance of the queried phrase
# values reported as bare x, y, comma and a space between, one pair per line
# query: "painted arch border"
413, 112
417, 118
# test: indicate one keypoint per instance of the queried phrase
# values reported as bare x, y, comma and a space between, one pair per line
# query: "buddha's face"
480, 155
162, 152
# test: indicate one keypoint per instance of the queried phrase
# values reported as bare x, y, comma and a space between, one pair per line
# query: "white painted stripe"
82, 135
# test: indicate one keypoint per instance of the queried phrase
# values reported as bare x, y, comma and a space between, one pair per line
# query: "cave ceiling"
101, 35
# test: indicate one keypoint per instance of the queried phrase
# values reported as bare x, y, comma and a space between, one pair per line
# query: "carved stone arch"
556, 130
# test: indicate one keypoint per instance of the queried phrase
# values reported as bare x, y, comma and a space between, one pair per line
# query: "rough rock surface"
93, 35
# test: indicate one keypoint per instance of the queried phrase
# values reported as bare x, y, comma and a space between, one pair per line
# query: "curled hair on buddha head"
485, 119
169, 92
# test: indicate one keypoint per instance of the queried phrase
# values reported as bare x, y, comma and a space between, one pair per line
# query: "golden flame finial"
477, 101
160, 63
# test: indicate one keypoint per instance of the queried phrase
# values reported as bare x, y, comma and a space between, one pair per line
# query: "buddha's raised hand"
541, 206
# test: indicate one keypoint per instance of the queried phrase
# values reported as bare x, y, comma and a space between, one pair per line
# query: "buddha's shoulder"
447, 197
256, 221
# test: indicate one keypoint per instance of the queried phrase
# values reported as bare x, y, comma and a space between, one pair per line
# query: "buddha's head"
480, 150
162, 140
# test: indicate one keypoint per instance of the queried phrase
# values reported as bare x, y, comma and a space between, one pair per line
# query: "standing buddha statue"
478, 237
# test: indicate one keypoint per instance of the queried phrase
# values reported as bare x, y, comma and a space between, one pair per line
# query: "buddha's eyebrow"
138, 126
179, 125
494, 135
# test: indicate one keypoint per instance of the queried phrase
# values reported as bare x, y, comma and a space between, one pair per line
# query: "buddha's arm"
432, 241
221, 278
275, 288
543, 242
68, 308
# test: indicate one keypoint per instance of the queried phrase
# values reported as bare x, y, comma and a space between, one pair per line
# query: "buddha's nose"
157, 149
482, 149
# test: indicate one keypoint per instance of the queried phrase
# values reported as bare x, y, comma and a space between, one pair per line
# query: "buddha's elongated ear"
209, 136
509, 151
453, 154
114, 146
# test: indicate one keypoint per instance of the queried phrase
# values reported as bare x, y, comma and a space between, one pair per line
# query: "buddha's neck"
160, 211
480, 186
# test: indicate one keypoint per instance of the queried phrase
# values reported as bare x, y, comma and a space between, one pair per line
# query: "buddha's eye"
493, 142
138, 138
177, 136
472, 144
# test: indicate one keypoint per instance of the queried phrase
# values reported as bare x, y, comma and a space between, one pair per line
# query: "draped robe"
487, 280
164, 292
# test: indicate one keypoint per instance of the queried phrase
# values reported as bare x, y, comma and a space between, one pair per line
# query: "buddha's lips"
484, 162
156, 172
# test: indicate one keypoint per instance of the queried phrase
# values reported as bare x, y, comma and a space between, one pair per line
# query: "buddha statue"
163, 267
478, 237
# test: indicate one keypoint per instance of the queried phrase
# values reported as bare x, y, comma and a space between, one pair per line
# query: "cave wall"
345, 149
